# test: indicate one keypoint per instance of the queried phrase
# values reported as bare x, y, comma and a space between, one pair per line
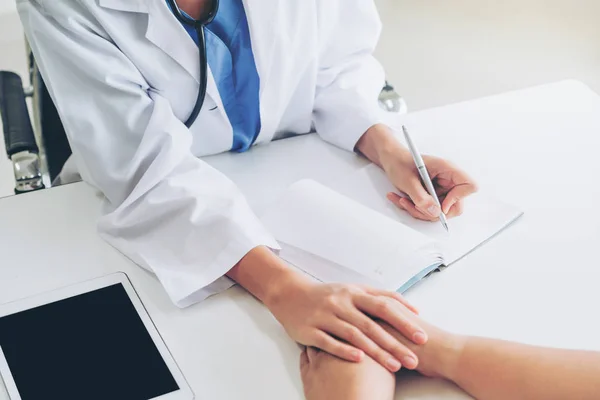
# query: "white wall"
443, 51
7, 6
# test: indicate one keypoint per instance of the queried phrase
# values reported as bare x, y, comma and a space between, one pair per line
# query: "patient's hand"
440, 355
327, 377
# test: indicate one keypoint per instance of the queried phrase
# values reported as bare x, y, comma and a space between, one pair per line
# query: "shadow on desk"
412, 386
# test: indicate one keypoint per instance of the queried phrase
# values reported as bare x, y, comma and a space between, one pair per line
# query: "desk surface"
536, 282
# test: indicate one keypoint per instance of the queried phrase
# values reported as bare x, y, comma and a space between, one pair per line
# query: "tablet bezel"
184, 392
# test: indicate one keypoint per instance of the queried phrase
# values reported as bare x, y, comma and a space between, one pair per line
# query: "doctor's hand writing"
451, 183
336, 318
452, 187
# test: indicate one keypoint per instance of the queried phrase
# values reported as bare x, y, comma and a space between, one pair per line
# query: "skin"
335, 318
451, 183
487, 369
195, 8
327, 377
339, 318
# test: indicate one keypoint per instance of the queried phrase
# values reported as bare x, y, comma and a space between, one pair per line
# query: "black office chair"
42, 152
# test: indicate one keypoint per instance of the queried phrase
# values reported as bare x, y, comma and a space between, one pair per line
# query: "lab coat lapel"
262, 17
139, 6
166, 32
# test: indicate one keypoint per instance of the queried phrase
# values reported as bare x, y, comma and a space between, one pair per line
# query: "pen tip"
445, 225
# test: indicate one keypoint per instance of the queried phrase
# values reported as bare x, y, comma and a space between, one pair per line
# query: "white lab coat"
124, 75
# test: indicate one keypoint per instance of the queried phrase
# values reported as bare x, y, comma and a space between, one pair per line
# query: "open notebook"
352, 235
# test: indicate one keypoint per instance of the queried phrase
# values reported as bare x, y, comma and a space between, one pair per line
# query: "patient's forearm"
491, 369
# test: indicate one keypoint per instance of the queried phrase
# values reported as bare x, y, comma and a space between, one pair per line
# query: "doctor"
128, 79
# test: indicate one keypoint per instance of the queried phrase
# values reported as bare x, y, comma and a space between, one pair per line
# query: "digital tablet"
92, 341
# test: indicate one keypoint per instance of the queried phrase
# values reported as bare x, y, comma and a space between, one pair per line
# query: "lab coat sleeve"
350, 78
165, 209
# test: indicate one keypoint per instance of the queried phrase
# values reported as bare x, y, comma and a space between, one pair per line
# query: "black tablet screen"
93, 346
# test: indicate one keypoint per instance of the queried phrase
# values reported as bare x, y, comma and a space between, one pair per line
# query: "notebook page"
483, 217
320, 221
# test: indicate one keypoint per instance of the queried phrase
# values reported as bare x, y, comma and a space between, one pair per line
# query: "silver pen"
424, 174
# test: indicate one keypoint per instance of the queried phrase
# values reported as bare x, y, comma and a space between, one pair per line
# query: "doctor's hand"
339, 319
452, 184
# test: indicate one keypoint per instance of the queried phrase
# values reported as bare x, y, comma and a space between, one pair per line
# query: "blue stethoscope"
198, 25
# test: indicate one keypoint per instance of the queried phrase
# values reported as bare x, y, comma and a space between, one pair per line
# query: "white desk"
537, 282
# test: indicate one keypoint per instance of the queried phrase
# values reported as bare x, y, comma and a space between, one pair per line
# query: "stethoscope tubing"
199, 27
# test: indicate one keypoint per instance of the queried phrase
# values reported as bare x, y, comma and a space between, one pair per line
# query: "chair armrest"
18, 132
19, 138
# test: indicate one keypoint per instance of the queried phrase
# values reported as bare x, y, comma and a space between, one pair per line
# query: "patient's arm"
491, 369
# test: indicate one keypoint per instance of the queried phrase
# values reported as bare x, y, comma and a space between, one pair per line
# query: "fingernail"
357, 355
394, 364
409, 362
420, 337
434, 211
